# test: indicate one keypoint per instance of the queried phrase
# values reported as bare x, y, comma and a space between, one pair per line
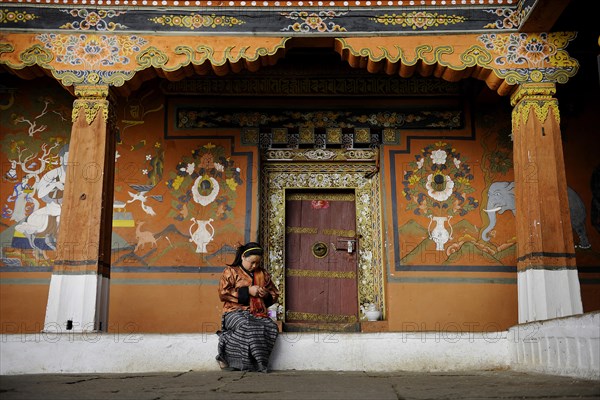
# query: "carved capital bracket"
91, 100
536, 97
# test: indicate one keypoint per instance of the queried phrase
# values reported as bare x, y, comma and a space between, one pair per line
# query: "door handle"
350, 245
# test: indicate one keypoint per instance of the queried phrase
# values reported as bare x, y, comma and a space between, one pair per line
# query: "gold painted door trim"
277, 177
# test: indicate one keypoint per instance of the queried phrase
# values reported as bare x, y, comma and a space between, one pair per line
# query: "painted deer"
143, 237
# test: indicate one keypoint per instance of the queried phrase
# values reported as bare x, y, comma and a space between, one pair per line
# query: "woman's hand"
257, 291
262, 292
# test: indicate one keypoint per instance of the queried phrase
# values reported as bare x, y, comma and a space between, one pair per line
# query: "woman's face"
251, 262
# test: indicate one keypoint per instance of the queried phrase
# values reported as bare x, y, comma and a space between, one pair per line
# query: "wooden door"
321, 260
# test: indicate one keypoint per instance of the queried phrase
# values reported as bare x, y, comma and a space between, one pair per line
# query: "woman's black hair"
248, 249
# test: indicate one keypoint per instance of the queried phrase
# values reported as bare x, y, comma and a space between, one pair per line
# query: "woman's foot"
222, 363
263, 369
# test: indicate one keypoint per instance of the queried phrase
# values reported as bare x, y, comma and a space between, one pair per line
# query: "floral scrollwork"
152, 57
419, 19
6, 48
307, 21
36, 54
476, 55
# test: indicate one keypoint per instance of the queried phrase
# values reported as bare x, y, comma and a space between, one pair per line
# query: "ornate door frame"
324, 169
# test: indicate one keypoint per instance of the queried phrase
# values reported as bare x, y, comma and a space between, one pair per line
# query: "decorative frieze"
326, 318
311, 273
295, 83
311, 122
266, 16
108, 58
320, 155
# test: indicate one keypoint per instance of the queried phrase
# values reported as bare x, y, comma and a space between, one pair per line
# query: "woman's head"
248, 256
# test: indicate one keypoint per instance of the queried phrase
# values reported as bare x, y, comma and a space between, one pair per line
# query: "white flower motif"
420, 162
117, 155
148, 157
190, 168
439, 195
145, 171
457, 162
438, 157
238, 169
219, 167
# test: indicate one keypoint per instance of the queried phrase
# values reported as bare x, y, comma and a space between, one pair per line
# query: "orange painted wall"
169, 287
466, 282
23, 298
34, 114
451, 306
171, 304
163, 279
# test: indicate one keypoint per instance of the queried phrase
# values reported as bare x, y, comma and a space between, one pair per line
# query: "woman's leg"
247, 341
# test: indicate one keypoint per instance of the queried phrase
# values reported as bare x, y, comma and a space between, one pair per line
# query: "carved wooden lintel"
321, 155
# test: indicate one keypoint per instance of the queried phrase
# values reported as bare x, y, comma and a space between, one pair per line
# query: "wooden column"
78, 296
548, 285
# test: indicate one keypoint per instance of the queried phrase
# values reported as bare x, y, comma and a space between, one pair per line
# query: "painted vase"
439, 234
201, 236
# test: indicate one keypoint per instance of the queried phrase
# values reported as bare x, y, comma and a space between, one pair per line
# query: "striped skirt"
246, 341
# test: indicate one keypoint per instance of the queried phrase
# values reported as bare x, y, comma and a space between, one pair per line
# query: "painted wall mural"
178, 203
455, 203
445, 190
501, 198
181, 203
34, 148
439, 187
181, 195
442, 192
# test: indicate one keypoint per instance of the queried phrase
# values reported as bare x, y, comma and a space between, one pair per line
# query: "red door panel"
321, 274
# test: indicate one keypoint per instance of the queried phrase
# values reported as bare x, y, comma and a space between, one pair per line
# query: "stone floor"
311, 385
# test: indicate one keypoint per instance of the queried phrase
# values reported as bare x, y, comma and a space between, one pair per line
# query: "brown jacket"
234, 286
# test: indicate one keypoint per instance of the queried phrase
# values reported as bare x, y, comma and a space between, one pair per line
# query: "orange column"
78, 296
548, 285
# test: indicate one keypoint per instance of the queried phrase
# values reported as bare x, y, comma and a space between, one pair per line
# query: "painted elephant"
501, 197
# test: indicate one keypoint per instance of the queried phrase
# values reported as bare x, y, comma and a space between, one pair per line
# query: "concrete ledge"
113, 353
567, 346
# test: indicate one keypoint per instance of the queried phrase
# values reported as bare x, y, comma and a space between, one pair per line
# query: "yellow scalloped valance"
501, 60
106, 59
